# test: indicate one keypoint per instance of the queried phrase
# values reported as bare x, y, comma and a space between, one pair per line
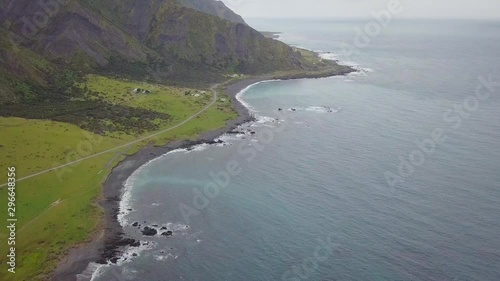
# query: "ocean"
389, 173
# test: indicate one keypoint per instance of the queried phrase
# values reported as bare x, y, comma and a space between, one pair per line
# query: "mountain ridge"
181, 42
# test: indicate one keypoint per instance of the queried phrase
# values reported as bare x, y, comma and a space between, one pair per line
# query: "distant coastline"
271, 34
109, 241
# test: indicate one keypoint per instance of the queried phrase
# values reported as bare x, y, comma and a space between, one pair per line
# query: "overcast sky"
477, 9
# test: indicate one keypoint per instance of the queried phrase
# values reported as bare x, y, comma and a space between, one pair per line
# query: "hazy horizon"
361, 9
367, 18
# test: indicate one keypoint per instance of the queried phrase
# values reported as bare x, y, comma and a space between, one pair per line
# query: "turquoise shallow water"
309, 198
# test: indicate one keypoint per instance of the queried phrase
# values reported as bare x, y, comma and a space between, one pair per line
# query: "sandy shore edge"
109, 240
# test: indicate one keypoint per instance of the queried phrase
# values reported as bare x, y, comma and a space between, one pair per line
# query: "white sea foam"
314, 108
364, 69
99, 269
322, 109
239, 96
199, 147
128, 255
261, 121
90, 273
360, 71
177, 227
328, 56
126, 200
227, 138
179, 150
165, 257
265, 121
242, 101
195, 148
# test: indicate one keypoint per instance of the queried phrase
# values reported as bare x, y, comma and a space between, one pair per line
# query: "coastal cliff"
188, 41
108, 75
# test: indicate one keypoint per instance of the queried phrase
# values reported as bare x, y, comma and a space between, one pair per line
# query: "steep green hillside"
28, 77
56, 209
168, 41
190, 35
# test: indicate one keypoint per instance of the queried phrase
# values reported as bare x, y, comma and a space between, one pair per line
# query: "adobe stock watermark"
84, 148
30, 25
452, 117
248, 151
364, 36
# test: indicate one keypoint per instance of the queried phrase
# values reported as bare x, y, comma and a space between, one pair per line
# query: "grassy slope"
55, 210
169, 100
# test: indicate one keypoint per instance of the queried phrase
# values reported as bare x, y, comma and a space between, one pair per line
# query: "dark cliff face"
196, 37
189, 35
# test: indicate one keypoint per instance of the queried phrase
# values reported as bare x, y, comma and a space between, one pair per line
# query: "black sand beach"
109, 241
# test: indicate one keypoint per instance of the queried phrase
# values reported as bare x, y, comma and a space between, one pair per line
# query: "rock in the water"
149, 231
168, 233
164, 228
128, 242
114, 260
135, 224
215, 142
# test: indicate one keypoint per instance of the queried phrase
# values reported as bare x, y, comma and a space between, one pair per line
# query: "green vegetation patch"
108, 106
56, 210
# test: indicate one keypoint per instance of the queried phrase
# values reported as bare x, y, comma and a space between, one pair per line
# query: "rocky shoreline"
109, 242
